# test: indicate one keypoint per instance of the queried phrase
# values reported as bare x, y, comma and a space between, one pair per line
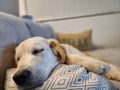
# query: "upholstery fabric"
110, 54
9, 24
43, 30
12, 30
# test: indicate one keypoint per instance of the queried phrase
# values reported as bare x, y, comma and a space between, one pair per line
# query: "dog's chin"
29, 87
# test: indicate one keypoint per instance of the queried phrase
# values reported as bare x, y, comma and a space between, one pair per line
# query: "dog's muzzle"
21, 77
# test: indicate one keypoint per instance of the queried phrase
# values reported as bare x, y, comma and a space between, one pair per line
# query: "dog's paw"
103, 69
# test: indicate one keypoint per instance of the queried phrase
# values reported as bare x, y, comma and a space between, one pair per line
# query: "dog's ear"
58, 50
8, 55
7, 60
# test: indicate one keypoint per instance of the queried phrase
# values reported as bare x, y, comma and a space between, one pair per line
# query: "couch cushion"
110, 54
43, 30
12, 28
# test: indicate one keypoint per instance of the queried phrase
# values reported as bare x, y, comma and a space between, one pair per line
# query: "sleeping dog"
37, 57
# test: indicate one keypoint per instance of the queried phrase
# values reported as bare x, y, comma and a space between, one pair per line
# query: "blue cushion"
42, 30
12, 29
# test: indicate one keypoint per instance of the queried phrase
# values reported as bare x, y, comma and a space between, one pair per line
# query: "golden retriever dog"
37, 57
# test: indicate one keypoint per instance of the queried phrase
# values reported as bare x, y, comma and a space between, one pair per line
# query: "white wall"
106, 29
54, 9
70, 16
9, 6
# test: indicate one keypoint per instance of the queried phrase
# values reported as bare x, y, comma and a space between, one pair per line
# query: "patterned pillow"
64, 77
81, 40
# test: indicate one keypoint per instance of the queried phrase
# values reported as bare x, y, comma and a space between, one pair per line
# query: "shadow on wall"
9, 6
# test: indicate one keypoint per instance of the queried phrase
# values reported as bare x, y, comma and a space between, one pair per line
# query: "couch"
15, 30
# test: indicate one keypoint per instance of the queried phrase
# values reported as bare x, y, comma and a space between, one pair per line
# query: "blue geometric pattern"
74, 77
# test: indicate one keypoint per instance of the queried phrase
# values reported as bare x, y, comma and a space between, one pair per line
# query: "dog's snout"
21, 78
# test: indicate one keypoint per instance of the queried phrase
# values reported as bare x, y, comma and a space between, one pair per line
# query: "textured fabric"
109, 54
12, 30
80, 40
12, 27
64, 77
7, 32
43, 30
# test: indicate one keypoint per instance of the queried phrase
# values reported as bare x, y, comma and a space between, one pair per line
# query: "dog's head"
36, 58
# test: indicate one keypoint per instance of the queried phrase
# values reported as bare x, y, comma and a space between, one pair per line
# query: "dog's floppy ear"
8, 55
58, 50
8, 61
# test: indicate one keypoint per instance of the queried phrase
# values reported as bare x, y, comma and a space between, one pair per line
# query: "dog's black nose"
20, 78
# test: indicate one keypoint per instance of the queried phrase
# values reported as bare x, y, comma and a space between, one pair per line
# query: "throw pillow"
39, 29
81, 40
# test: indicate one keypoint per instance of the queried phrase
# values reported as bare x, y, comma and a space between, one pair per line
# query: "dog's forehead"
42, 42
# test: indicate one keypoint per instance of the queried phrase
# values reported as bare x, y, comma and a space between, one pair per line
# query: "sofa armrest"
9, 83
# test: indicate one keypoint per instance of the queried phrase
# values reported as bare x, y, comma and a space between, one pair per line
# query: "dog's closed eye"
18, 58
36, 51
